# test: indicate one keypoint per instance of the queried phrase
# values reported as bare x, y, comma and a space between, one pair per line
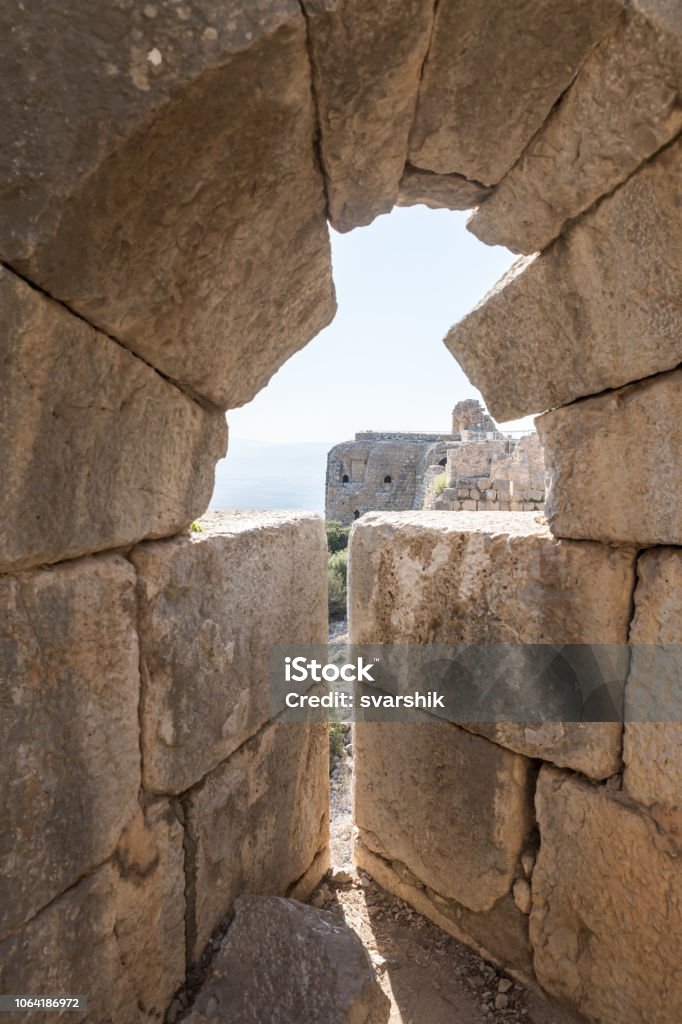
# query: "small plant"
439, 484
196, 527
335, 739
337, 575
337, 536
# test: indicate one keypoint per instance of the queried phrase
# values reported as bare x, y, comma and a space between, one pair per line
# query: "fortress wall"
166, 175
145, 784
606, 804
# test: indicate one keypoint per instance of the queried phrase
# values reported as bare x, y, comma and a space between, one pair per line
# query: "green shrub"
335, 739
337, 536
337, 574
439, 484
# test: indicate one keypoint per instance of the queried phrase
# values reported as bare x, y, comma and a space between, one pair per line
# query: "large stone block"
492, 75
271, 964
116, 937
367, 59
162, 155
613, 468
70, 769
652, 747
452, 807
598, 309
625, 103
500, 934
439, 191
606, 923
98, 450
211, 605
494, 577
258, 823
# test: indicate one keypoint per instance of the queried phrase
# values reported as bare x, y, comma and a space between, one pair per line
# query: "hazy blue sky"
401, 283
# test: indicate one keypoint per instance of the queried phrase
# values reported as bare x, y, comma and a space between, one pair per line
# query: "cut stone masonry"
167, 171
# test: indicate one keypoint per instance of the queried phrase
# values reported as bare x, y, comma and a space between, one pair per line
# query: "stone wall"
581, 892
167, 171
483, 469
493, 475
380, 471
144, 783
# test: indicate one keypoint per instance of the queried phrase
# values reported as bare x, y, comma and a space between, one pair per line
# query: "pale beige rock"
598, 309
606, 924
489, 82
70, 770
500, 934
439, 191
624, 105
117, 937
256, 824
522, 895
148, 187
653, 738
98, 450
367, 58
613, 467
285, 962
211, 605
452, 807
494, 577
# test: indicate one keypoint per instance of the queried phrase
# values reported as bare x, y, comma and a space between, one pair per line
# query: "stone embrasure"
117, 937
439, 191
489, 82
494, 577
97, 449
606, 923
70, 767
367, 59
283, 961
211, 605
257, 823
184, 157
653, 698
451, 806
613, 467
598, 309
624, 105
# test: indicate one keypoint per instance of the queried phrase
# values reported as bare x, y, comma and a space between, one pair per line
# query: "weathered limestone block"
257, 823
652, 748
500, 934
624, 105
70, 769
606, 923
493, 73
149, 184
598, 309
613, 467
494, 577
211, 605
452, 807
472, 459
367, 58
283, 960
439, 191
116, 937
97, 449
